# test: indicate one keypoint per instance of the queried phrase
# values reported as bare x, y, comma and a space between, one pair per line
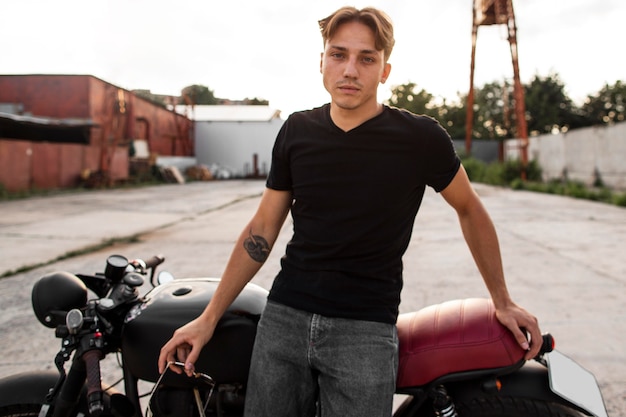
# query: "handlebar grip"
156, 260
547, 344
94, 386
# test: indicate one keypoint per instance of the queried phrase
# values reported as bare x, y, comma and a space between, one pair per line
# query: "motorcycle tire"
20, 410
22, 395
514, 407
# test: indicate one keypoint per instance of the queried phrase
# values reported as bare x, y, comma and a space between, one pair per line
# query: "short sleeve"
279, 177
443, 162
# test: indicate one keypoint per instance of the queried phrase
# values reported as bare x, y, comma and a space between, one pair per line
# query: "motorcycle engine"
168, 401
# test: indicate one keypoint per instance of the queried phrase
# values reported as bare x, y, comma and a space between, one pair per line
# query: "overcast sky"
271, 49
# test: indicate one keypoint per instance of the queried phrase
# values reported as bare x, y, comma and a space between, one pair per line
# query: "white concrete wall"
232, 145
580, 155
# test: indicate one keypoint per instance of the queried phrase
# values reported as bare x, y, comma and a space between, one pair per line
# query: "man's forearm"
248, 256
482, 240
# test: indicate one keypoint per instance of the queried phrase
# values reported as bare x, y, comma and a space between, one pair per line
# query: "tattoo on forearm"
257, 247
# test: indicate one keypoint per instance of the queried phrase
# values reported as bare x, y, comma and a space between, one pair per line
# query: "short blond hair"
377, 20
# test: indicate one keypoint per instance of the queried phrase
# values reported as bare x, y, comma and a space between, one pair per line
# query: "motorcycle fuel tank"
149, 325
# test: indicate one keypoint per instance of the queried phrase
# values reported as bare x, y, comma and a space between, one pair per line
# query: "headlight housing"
55, 294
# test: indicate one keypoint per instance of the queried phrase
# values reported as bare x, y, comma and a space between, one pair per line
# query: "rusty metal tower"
498, 12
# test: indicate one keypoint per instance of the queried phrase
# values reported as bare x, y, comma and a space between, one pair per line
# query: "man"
353, 174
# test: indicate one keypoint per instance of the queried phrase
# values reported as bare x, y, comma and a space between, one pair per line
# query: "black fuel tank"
226, 358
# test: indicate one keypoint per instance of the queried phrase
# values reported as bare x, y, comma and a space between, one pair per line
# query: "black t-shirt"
356, 195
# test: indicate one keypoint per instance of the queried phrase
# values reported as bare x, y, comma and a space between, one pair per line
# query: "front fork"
71, 394
68, 389
67, 392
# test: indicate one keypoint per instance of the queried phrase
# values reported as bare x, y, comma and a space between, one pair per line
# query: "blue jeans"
305, 363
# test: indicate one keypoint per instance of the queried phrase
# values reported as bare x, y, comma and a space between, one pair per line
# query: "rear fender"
531, 382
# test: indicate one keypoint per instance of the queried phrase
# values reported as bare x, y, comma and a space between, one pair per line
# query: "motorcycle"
456, 359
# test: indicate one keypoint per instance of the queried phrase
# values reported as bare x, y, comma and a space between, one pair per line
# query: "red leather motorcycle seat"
454, 336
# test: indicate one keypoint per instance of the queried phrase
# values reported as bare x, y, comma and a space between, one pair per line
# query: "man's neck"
348, 119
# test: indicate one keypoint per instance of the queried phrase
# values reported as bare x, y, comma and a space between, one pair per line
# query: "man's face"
352, 68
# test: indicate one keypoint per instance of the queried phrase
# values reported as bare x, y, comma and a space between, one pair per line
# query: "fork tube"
131, 389
71, 390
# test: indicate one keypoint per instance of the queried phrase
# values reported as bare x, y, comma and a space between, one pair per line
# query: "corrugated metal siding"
28, 163
46, 162
15, 165
41, 165
48, 95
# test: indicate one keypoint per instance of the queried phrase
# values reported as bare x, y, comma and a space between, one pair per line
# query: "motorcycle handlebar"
547, 344
155, 261
94, 388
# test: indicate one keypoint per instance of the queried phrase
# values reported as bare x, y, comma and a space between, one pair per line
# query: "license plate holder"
574, 383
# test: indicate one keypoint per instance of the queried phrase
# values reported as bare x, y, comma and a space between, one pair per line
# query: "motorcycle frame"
529, 381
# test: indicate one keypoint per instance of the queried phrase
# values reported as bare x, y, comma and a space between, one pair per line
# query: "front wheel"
22, 395
20, 410
513, 407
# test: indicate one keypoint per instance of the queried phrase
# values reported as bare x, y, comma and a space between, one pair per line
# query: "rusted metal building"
57, 129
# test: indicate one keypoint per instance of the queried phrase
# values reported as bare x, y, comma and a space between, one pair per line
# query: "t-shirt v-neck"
355, 129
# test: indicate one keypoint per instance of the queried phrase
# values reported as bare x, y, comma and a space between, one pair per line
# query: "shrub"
620, 200
512, 170
498, 173
495, 174
577, 190
510, 174
517, 184
475, 169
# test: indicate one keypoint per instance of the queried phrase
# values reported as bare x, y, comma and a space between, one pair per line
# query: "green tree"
607, 106
451, 116
198, 94
548, 107
492, 111
154, 98
404, 96
256, 101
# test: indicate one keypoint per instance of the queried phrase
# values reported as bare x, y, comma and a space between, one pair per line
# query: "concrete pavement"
41, 229
563, 259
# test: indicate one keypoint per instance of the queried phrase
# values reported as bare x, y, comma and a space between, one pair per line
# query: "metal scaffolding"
498, 12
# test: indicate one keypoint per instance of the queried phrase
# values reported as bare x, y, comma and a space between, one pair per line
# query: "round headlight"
55, 294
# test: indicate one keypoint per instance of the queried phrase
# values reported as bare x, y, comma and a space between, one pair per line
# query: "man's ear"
386, 73
321, 61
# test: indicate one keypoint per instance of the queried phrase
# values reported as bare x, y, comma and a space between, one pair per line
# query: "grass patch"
509, 174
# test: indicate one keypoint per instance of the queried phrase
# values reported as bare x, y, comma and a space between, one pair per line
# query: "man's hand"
515, 319
185, 346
